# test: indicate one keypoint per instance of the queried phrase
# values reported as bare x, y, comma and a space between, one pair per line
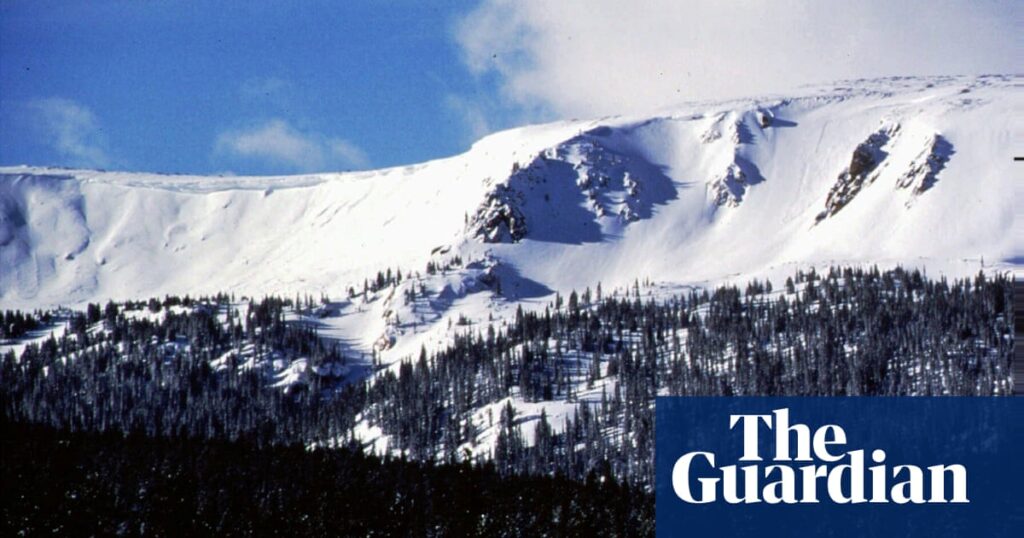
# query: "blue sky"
207, 87
281, 87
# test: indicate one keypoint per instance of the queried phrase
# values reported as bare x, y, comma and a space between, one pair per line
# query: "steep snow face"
912, 171
896, 171
73, 236
583, 190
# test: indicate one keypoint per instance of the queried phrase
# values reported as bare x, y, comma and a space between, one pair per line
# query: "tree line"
202, 369
111, 484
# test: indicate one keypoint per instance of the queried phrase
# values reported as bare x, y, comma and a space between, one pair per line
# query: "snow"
693, 196
73, 236
38, 336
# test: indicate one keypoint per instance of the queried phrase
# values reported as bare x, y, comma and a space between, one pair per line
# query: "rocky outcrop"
605, 180
499, 219
866, 159
730, 184
570, 193
727, 189
714, 131
925, 167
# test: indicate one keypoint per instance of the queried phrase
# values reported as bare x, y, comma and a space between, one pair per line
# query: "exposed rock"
926, 166
867, 157
728, 188
386, 340
499, 219
863, 161
597, 184
714, 131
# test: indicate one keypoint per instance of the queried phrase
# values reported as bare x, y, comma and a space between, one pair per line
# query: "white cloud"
472, 113
274, 140
348, 152
72, 129
606, 56
277, 142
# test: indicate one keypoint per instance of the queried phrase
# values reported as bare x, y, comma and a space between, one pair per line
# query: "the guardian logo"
809, 467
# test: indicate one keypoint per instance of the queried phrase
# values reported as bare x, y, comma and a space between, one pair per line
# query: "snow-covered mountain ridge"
913, 172
905, 170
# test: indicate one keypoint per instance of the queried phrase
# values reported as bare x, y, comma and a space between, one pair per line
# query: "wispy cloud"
348, 152
278, 143
71, 129
598, 57
472, 113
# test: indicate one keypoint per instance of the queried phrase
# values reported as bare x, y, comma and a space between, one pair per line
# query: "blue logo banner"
839, 466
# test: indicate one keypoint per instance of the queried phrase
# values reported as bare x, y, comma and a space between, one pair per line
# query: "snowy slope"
70, 236
907, 170
902, 213
911, 171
